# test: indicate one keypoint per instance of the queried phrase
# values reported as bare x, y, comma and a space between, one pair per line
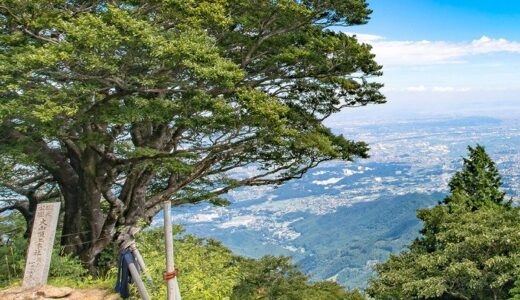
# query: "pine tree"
477, 184
469, 246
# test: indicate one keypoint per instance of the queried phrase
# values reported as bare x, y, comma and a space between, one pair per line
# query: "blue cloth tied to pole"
124, 278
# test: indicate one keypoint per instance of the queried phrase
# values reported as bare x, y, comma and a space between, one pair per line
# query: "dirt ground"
50, 292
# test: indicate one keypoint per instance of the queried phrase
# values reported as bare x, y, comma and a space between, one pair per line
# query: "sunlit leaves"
470, 244
140, 102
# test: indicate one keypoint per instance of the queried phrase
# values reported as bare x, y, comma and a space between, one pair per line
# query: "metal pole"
173, 292
138, 282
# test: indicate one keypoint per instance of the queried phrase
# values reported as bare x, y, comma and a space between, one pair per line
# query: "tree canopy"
477, 256
469, 248
277, 278
478, 183
121, 105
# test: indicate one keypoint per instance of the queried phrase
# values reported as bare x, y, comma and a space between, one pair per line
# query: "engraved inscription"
40, 247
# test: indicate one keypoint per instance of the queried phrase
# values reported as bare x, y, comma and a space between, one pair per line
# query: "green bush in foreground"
207, 269
277, 278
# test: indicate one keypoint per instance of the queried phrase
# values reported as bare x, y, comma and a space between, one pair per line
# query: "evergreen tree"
478, 183
474, 255
469, 248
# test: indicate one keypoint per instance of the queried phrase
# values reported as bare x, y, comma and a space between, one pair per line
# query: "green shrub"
207, 270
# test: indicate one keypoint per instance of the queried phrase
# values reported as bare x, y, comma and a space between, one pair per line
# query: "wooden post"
140, 262
173, 292
138, 281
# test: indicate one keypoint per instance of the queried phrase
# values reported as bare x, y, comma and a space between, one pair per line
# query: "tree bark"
71, 234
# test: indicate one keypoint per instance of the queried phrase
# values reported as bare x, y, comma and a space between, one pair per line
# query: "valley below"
342, 218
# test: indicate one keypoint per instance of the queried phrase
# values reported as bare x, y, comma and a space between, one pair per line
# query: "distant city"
342, 218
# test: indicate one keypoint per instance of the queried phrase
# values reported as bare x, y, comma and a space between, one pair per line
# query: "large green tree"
469, 248
122, 105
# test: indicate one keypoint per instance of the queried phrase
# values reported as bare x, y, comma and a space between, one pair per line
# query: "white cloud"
488, 45
419, 88
413, 53
435, 89
365, 38
449, 89
443, 89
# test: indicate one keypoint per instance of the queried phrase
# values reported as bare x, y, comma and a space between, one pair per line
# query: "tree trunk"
72, 231
89, 198
128, 221
85, 210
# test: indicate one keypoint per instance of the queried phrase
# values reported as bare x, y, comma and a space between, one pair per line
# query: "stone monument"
40, 247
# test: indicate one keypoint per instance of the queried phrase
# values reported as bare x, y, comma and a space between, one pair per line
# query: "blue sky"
459, 50
449, 20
